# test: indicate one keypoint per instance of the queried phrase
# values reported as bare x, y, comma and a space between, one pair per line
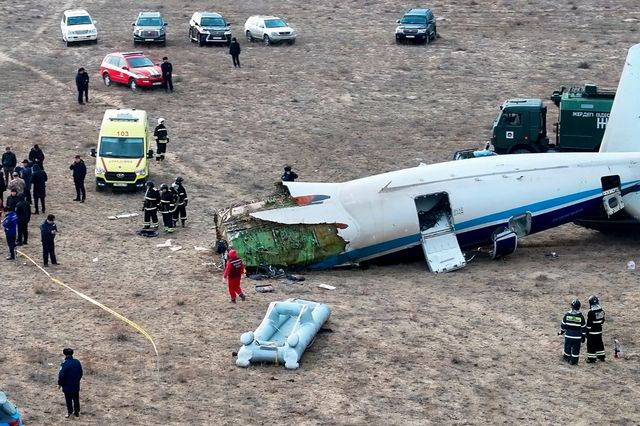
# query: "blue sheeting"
286, 331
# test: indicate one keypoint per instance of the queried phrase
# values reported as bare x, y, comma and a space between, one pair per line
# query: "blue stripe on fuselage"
482, 235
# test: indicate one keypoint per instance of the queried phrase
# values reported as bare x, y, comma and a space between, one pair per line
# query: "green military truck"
521, 125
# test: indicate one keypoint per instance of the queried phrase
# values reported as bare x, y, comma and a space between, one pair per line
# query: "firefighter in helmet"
181, 204
573, 328
167, 207
595, 319
150, 206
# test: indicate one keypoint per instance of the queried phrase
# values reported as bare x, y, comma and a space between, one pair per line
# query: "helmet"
593, 300
164, 186
575, 304
150, 184
179, 179
160, 120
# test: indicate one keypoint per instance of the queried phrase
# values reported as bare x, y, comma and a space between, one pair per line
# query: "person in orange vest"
233, 273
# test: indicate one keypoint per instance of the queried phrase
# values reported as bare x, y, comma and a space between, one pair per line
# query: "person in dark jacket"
595, 319
26, 172
23, 211
3, 186
150, 206
167, 207
69, 378
234, 51
573, 327
162, 139
10, 225
9, 162
233, 272
181, 203
38, 179
12, 200
48, 231
82, 83
79, 173
36, 156
167, 71
289, 175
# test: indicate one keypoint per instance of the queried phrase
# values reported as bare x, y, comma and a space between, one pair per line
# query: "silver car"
269, 29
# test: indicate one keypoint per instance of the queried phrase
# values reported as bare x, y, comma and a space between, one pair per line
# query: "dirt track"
477, 346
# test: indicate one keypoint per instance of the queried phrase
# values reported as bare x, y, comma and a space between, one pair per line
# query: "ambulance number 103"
123, 133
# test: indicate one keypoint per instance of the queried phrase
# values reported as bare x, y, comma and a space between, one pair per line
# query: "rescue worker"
150, 206
595, 319
289, 175
181, 204
574, 330
167, 207
167, 72
233, 272
162, 139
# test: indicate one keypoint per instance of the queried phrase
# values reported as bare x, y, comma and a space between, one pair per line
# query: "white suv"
269, 29
77, 25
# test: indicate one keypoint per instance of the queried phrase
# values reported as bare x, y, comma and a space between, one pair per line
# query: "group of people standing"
171, 201
576, 330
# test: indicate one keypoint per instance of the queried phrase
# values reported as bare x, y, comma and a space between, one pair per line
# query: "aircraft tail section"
623, 128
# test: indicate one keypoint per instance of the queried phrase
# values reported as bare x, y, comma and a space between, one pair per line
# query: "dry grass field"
477, 346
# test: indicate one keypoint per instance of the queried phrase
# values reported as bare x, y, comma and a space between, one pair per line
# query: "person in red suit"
233, 273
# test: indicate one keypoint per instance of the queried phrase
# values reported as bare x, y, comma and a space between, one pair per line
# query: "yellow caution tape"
101, 306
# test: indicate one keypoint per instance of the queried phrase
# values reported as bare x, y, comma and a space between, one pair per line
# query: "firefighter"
150, 206
595, 319
574, 330
233, 273
167, 207
162, 139
181, 205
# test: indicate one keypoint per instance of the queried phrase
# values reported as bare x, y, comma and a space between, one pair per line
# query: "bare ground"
477, 346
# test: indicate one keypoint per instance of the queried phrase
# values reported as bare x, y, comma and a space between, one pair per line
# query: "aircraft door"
611, 194
439, 243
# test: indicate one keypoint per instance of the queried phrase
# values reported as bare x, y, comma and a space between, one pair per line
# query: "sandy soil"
477, 346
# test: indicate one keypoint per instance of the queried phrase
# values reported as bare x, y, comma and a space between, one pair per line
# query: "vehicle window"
414, 20
512, 118
149, 22
212, 22
121, 63
140, 62
121, 147
274, 23
111, 60
79, 20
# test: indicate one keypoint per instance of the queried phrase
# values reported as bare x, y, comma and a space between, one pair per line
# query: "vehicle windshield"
7, 409
275, 23
79, 20
415, 20
140, 62
212, 22
121, 147
149, 22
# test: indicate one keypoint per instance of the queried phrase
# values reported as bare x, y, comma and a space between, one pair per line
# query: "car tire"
202, 40
132, 85
249, 37
266, 40
95, 41
135, 43
435, 32
427, 39
99, 188
106, 79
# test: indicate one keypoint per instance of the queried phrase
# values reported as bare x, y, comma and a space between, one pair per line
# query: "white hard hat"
160, 120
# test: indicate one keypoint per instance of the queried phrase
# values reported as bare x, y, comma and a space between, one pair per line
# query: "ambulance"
123, 150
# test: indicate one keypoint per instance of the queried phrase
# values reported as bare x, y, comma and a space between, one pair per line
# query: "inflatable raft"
286, 331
